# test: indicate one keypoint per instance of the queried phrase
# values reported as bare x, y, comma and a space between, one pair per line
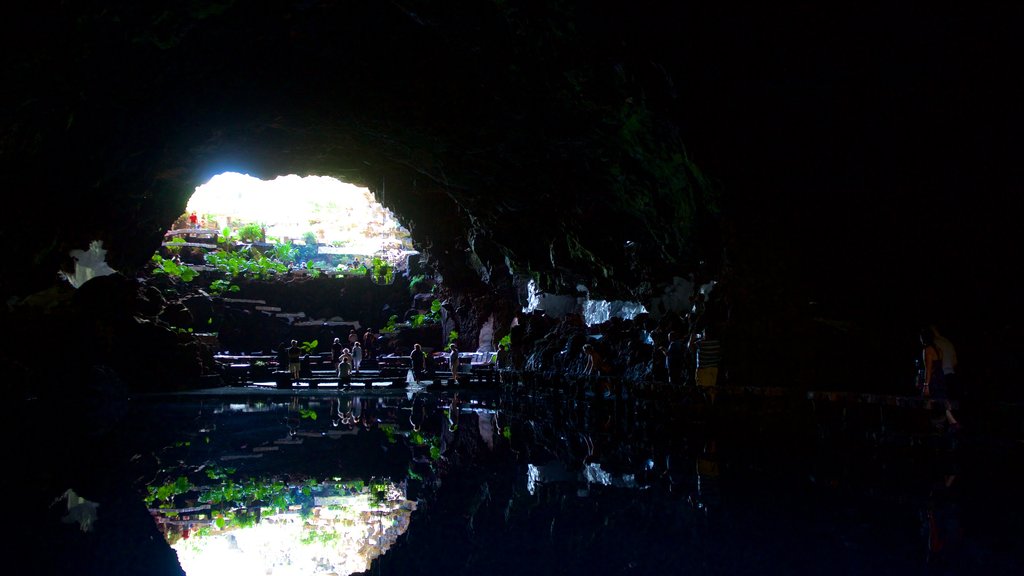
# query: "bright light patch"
291, 206
339, 535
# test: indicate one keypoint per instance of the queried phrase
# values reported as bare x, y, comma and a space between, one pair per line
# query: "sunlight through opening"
340, 218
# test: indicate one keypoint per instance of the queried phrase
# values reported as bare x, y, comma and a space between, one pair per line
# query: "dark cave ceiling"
543, 137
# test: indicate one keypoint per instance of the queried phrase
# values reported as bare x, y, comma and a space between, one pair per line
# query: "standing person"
295, 360
193, 220
709, 354
675, 359
502, 361
934, 385
357, 356
453, 363
282, 356
949, 362
369, 344
336, 348
344, 372
418, 362
353, 337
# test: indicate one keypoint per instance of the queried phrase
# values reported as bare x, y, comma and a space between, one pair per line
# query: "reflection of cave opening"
321, 528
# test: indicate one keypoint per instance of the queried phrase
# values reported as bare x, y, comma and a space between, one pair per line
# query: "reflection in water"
326, 528
277, 487
537, 483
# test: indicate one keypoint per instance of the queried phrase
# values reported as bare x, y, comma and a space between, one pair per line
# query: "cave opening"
336, 223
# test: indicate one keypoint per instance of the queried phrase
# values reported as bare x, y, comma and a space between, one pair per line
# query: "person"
596, 366
352, 337
418, 362
934, 385
336, 348
282, 356
357, 356
369, 344
502, 361
193, 220
345, 371
949, 362
295, 360
709, 352
675, 359
453, 363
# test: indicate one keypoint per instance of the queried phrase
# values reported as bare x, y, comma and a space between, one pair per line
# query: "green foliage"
175, 244
312, 269
506, 340
453, 336
429, 318
227, 238
389, 431
507, 432
413, 475
391, 325
251, 263
306, 413
415, 282
309, 347
219, 287
416, 439
171, 268
382, 273
284, 252
251, 233
164, 494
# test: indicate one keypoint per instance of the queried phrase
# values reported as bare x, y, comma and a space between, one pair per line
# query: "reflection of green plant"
164, 494
416, 439
310, 414
389, 431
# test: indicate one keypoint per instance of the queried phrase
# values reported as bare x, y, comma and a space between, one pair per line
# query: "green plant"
171, 268
309, 347
227, 237
453, 337
383, 273
391, 325
506, 340
175, 244
221, 286
250, 233
312, 269
433, 316
415, 282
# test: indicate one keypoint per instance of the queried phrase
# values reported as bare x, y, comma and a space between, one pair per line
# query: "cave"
839, 177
